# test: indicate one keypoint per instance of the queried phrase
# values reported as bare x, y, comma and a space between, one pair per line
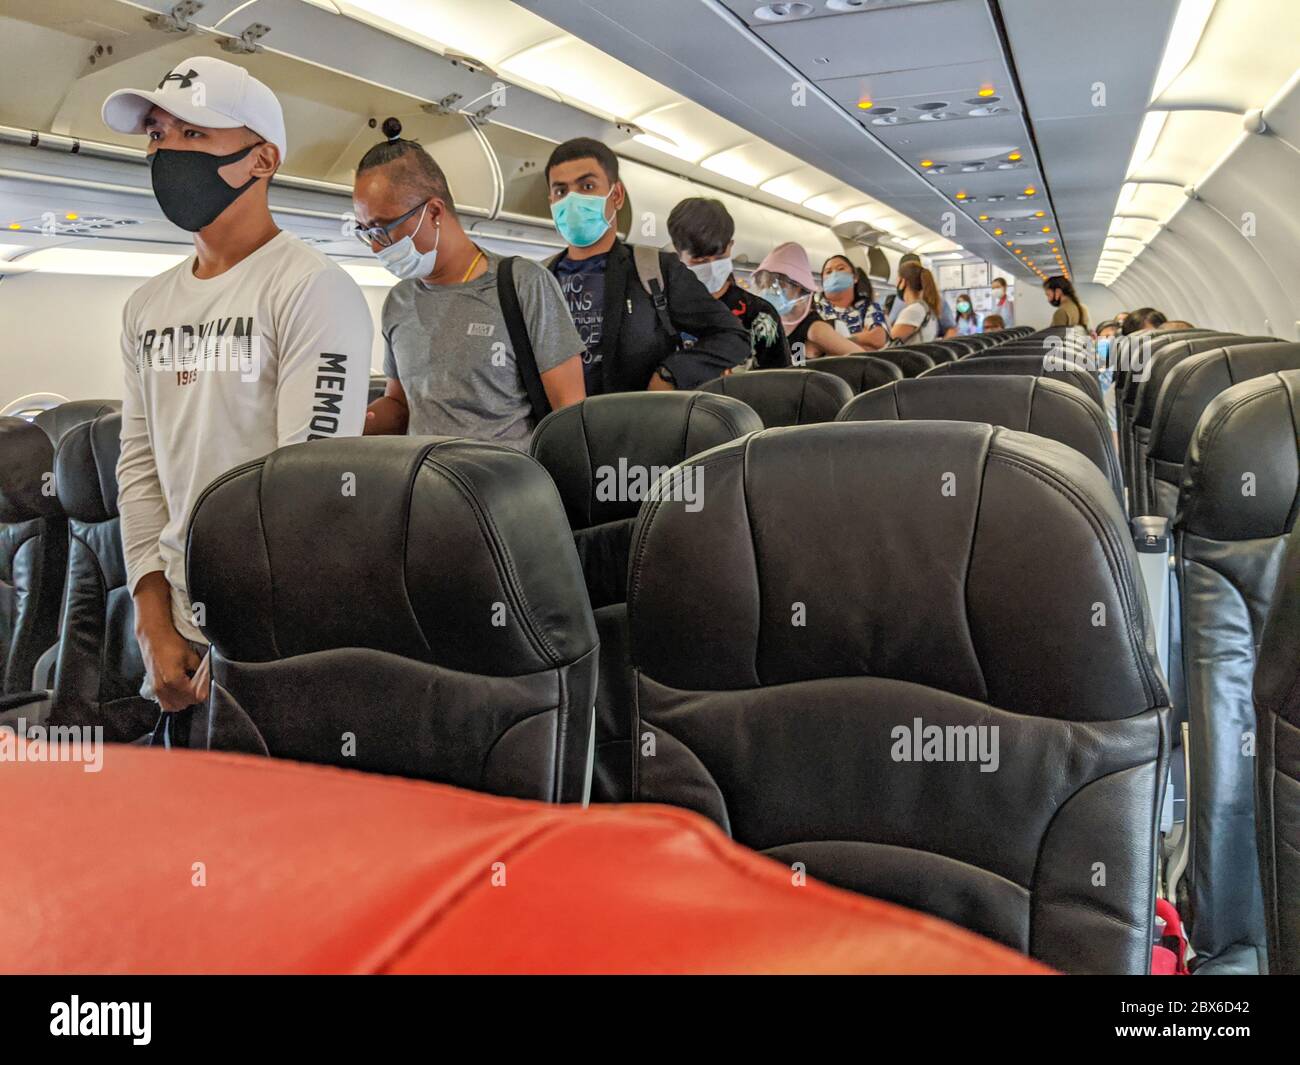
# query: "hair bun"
392, 128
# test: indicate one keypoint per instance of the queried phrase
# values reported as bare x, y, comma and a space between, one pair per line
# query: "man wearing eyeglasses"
254, 341
469, 350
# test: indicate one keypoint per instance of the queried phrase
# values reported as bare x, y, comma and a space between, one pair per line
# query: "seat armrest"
1151, 538
43, 672
32, 707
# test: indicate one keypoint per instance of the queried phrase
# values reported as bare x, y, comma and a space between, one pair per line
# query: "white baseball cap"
203, 92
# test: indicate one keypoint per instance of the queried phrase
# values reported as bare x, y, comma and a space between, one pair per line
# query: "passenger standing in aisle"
254, 341
450, 352
848, 303
703, 233
918, 322
631, 305
785, 279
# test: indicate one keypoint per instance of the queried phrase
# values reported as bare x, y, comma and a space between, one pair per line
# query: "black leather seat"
1187, 391
785, 397
938, 352
1030, 365
863, 372
785, 692
1166, 354
100, 669
1035, 405
431, 623
1277, 790
583, 447
56, 421
1236, 512
908, 361
599, 449
33, 553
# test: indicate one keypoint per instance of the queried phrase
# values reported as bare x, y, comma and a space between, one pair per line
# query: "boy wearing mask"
631, 321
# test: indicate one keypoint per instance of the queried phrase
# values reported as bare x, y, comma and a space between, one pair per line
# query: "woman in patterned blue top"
846, 302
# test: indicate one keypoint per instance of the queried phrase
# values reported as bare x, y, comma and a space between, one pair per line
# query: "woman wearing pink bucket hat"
785, 279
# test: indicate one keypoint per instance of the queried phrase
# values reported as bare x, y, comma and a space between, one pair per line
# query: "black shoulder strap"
522, 344
649, 271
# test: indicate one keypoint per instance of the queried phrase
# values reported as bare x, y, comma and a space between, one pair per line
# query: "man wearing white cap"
253, 342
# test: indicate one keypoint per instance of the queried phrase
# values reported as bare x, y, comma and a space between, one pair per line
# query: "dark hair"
1057, 281
861, 283
1153, 319
910, 257
918, 279
415, 169
1134, 320
998, 281
584, 148
700, 226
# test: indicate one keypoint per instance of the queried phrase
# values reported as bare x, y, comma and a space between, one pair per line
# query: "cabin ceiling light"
1184, 37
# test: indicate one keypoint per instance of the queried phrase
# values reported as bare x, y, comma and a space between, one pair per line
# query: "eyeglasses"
383, 234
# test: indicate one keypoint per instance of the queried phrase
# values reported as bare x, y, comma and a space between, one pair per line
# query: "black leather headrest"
26, 463
861, 372
1037, 405
453, 552
1195, 381
58, 420
785, 397
86, 469
958, 556
603, 442
1242, 476
1166, 354
1032, 365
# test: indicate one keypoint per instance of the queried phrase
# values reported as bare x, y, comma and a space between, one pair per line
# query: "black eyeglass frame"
382, 234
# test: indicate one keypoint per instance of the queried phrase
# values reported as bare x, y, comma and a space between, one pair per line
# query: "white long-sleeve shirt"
274, 351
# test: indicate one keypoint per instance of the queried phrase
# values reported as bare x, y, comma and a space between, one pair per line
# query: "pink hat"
790, 259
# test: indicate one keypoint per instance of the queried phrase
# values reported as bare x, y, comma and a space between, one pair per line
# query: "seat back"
908, 361
33, 552
1277, 780
1037, 405
938, 352
56, 421
1236, 511
605, 453
827, 706
1187, 391
1165, 354
405, 605
1030, 365
100, 670
796, 396
863, 372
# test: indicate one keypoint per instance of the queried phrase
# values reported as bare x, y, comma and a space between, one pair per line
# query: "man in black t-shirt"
703, 232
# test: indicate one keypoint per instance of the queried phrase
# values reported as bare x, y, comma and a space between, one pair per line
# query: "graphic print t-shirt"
583, 283
274, 351
768, 347
855, 318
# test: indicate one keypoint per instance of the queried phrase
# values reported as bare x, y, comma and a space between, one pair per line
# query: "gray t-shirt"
449, 347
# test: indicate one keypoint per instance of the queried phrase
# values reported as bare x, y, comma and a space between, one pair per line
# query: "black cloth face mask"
188, 188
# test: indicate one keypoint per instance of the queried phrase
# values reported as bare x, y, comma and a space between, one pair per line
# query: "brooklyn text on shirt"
222, 345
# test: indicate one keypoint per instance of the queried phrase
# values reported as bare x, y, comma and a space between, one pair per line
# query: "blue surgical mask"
581, 219
783, 304
963, 307
404, 260
1103, 349
839, 281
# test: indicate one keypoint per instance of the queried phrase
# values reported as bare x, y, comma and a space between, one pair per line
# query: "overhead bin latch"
178, 19
445, 106
246, 42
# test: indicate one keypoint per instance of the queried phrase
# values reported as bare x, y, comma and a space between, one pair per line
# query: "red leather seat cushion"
316, 870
